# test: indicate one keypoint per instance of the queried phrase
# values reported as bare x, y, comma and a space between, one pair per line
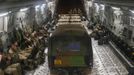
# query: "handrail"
121, 54
129, 66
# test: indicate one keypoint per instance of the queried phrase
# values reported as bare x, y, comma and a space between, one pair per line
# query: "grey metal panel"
12, 5
128, 64
120, 3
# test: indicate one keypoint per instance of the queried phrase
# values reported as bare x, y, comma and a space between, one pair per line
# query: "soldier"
4, 58
13, 54
1, 61
1, 50
79, 11
74, 11
14, 69
28, 41
14, 51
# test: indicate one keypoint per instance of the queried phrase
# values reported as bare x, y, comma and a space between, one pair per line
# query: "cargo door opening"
66, 6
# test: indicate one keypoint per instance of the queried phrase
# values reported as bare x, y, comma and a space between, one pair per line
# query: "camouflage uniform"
14, 69
1, 72
14, 55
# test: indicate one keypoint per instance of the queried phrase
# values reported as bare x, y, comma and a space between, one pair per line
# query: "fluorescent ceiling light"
102, 5
132, 11
37, 6
3, 14
24, 9
115, 8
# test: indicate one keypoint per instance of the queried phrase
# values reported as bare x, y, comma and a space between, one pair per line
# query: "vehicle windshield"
67, 44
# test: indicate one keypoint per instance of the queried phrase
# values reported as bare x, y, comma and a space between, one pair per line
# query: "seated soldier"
13, 47
79, 11
14, 69
28, 40
1, 50
1, 55
4, 59
14, 51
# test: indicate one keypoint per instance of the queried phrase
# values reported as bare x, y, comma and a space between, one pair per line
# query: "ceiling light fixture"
23, 9
115, 8
132, 11
4, 14
37, 6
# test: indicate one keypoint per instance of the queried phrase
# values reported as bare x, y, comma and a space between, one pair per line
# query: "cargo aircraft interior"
66, 37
